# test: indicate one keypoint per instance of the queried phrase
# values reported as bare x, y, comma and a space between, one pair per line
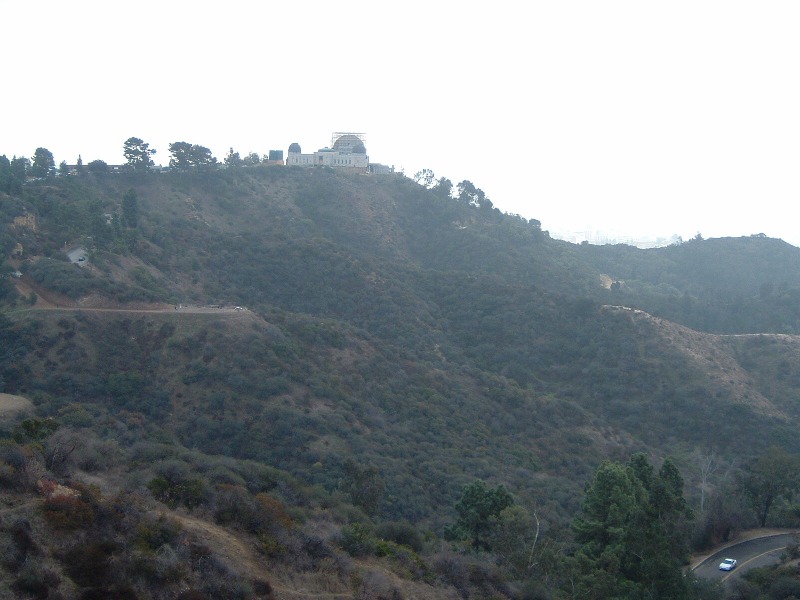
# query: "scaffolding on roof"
337, 134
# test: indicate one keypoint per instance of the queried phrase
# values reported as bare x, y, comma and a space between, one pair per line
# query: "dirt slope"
711, 353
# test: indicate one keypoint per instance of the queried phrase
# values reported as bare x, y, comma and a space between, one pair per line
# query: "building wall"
329, 158
302, 160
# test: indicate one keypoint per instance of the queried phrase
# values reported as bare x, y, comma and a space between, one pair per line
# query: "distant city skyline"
599, 236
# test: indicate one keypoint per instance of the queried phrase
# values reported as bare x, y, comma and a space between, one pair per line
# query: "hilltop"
393, 345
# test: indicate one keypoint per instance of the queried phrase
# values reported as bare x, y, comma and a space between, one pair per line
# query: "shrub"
376, 586
535, 590
35, 580
271, 546
23, 544
97, 455
357, 540
162, 566
454, 571
191, 492
67, 512
153, 533
220, 475
274, 511
234, 504
784, 588
191, 595
7, 474
404, 534
120, 592
89, 564
220, 582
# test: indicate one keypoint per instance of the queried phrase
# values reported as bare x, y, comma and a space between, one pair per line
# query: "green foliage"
75, 282
126, 387
190, 492
90, 563
778, 582
633, 529
130, 209
402, 533
155, 532
513, 537
478, 510
232, 159
35, 580
15, 343
357, 540
97, 166
186, 156
43, 163
11, 178
702, 284
138, 154
399, 341
34, 430
772, 476
364, 485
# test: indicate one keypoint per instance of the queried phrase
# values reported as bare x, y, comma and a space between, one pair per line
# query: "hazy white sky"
678, 117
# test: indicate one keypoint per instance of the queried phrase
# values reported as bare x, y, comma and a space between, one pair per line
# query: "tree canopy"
633, 529
138, 153
768, 478
233, 159
186, 156
130, 208
477, 510
43, 162
97, 166
12, 175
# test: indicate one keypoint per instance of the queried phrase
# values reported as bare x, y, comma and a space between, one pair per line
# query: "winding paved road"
758, 552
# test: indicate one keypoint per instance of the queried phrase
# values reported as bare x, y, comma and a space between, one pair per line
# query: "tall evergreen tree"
477, 510
633, 531
138, 153
130, 209
6, 175
43, 162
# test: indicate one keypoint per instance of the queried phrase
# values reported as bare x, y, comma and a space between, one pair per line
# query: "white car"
728, 564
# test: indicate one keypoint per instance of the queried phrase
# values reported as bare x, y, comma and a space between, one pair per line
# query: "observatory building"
347, 151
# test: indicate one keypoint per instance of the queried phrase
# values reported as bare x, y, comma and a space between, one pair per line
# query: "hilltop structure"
347, 151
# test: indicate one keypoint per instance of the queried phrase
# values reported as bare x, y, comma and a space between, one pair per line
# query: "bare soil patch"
14, 405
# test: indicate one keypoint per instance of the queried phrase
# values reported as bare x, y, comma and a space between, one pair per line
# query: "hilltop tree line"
185, 156
138, 157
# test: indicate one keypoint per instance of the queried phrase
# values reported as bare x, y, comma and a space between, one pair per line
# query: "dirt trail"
230, 549
50, 300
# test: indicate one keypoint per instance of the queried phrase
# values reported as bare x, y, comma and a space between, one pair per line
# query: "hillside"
391, 346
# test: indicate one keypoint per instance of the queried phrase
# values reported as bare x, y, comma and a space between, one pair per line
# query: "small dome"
295, 147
